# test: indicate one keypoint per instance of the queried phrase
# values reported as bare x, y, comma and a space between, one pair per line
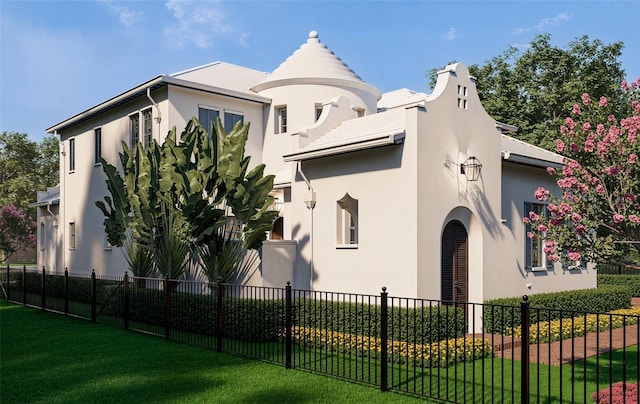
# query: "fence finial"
525, 298
384, 289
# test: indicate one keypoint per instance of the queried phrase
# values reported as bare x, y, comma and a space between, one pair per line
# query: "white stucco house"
423, 194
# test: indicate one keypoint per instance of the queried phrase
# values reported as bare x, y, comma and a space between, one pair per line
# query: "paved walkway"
568, 350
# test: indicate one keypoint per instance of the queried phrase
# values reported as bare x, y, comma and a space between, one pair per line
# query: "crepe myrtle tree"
173, 199
597, 216
17, 231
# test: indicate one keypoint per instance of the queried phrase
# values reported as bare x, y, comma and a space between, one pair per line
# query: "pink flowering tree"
17, 231
597, 216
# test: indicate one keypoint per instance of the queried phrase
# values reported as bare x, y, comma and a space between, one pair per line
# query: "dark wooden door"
455, 263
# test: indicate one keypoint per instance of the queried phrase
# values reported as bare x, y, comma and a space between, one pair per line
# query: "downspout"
158, 116
310, 201
55, 231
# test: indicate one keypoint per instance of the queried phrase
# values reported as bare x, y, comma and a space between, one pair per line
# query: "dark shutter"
455, 263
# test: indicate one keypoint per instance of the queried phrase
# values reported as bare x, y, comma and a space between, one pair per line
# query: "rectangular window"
134, 129
72, 154
535, 256
97, 145
230, 119
207, 118
42, 236
147, 125
281, 119
72, 235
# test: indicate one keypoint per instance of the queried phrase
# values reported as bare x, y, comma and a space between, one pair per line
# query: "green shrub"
420, 326
630, 281
502, 314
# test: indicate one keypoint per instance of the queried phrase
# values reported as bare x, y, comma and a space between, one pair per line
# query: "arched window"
347, 221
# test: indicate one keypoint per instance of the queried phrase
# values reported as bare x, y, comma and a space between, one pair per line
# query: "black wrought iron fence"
450, 351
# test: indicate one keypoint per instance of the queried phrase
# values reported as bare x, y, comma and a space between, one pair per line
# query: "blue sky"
58, 58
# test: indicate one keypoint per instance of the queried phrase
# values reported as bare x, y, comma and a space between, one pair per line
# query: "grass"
51, 358
54, 359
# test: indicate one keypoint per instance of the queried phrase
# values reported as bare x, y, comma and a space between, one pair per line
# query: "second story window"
207, 118
134, 129
72, 154
230, 119
281, 119
147, 123
97, 145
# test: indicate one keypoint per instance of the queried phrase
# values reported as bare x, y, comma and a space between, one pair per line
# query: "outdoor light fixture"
471, 168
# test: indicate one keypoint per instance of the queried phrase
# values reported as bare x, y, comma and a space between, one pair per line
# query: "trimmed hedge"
630, 281
256, 320
502, 314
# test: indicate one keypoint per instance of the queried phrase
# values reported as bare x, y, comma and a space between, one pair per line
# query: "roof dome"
314, 63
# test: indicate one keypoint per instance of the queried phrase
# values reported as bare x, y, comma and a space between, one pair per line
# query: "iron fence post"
66, 291
44, 277
288, 324
384, 382
24, 285
126, 301
93, 295
219, 314
167, 308
524, 364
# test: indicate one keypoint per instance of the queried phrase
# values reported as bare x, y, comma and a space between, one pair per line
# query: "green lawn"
46, 357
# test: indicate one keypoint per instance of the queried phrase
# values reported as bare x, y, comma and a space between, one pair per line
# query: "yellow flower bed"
438, 354
555, 330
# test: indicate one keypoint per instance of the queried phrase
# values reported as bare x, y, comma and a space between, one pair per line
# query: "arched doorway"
277, 231
455, 263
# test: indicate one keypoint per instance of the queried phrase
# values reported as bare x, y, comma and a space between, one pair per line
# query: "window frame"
97, 145
281, 119
42, 233
347, 222
541, 210
147, 127
72, 154
134, 135
208, 109
228, 126
72, 235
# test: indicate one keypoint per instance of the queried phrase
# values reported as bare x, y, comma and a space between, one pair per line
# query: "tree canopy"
26, 167
533, 89
597, 216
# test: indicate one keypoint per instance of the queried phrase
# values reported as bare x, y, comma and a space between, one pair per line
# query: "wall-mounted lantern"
471, 168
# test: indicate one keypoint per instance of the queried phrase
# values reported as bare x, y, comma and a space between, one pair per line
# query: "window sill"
346, 247
538, 269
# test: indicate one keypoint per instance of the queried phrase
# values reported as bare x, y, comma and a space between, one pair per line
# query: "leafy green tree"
176, 197
26, 167
533, 89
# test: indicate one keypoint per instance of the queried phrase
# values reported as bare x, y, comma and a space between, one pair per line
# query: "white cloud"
450, 35
197, 23
244, 39
554, 21
127, 16
520, 31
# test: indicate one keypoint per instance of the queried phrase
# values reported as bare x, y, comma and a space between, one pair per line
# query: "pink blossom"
633, 158
603, 101
570, 123
541, 194
581, 229
613, 170
618, 218
553, 258
567, 171
636, 107
624, 85
589, 145
586, 99
555, 222
574, 148
526, 220
634, 219
586, 127
574, 256
576, 217
576, 109
551, 170
534, 216
542, 228
530, 235
600, 129
559, 145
